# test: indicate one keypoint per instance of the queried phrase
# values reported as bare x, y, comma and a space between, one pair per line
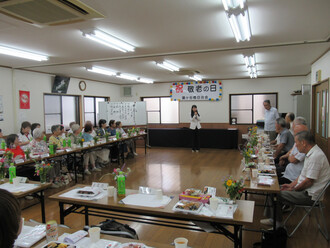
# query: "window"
248, 108
91, 104
60, 110
161, 110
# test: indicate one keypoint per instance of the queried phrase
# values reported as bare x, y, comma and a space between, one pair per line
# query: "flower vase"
43, 177
247, 159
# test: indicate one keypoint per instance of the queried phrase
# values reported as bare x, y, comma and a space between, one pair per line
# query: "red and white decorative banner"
24, 99
196, 91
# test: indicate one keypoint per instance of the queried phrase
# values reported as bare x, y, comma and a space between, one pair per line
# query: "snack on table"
194, 195
58, 245
194, 192
88, 191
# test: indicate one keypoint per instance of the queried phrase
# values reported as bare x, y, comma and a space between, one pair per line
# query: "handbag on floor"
270, 239
112, 227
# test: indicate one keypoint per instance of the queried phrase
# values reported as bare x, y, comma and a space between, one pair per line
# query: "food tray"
88, 192
188, 206
133, 245
55, 244
267, 172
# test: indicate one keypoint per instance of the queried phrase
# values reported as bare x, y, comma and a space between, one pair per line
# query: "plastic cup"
16, 181
159, 194
214, 203
111, 191
181, 243
254, 173
94, 234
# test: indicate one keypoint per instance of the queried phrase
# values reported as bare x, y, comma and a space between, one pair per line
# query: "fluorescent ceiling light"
240, 25
126, 76
101, 71
251, 65
168, 66
233, 4
250, 60
195, 78
253, 75
22, 54
118, 74
108, 40
145, 80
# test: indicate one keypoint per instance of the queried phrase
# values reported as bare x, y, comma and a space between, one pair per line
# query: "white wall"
218, 112
38, 84
6, 91
322, 64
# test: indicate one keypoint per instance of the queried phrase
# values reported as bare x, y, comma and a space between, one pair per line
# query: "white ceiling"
287, 36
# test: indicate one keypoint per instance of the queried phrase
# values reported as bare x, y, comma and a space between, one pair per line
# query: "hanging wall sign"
200, 91
24, 99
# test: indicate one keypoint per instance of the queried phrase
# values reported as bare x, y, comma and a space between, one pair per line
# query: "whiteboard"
129, 113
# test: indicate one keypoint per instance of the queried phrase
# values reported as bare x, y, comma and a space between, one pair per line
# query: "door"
321, 115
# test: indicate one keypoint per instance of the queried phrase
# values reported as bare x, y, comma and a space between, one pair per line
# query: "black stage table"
182, 137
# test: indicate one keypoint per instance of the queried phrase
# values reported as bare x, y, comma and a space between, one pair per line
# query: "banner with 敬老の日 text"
200, 91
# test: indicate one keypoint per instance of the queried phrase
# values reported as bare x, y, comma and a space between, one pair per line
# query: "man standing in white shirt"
271, 115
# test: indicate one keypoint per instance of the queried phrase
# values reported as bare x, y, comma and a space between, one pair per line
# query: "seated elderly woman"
13, 146
89, 157
75, 135
55, 138
1, 136
38, 145
11, 220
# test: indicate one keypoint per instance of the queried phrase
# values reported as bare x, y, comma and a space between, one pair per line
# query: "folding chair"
317, 204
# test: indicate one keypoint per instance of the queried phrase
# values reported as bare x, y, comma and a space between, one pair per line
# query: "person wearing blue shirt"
89, 157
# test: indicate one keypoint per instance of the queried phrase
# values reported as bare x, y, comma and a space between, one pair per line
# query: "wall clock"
82, 85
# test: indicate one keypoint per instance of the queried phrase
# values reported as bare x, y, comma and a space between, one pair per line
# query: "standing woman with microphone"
195, 126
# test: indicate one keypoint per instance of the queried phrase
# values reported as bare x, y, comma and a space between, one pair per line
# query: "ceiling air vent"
48, 12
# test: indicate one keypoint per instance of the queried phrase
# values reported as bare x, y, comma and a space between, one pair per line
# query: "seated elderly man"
286, 139
296, 161
289, 118
312, 179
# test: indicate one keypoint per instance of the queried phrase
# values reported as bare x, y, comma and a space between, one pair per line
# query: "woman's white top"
195, 122
24, 138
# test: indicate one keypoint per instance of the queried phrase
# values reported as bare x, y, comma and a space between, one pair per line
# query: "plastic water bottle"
3, 145
69, 142
45, 138
64, 143
121, 184
117, 135
51, 149
12, 172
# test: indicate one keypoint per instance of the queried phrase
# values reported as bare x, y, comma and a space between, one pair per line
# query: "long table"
252, 187
83, 150
112, 207
37, 192
62, 230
